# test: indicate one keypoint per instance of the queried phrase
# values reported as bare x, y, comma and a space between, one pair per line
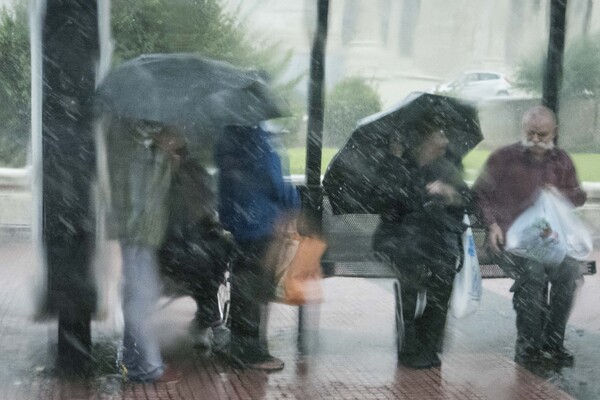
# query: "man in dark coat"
142, 158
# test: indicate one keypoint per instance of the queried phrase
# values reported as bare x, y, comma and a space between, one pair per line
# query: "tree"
156, 26
581, 76
581, 69
195, 26
14, 85
582, 66
202, 27
350, 100
138, 27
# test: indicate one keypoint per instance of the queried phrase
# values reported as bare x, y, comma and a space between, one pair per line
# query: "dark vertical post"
553, 70
312, 198
70, 51
314, 141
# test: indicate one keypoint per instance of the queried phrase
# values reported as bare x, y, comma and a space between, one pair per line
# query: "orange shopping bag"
298, 268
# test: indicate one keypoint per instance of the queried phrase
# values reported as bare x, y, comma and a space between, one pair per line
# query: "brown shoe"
171, 375
269, 364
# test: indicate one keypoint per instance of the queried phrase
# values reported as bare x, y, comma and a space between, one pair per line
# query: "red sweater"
511, 179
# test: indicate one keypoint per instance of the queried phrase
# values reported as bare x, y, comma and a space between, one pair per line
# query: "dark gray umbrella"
459, 119
351, 174
188, 90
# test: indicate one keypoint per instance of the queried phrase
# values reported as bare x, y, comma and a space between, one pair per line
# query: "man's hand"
552, 189
495, 238
172, 144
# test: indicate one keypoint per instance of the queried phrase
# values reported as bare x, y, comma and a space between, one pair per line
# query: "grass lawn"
587, 164
297, 158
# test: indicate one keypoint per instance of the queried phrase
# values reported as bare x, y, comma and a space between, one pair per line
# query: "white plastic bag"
466, 291
548, 231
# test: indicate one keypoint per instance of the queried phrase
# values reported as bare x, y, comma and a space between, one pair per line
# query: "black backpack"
196, 248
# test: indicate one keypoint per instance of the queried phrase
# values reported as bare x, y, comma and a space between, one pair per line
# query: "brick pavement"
353, 357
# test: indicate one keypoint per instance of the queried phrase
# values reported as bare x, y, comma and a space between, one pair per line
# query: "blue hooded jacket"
252, 192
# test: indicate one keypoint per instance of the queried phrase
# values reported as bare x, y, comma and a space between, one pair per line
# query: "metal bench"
350, 253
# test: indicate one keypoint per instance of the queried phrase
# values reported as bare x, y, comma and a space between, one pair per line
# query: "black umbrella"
353, 170
189, 91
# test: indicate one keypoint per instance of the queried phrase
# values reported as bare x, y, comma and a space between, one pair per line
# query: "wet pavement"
353, 351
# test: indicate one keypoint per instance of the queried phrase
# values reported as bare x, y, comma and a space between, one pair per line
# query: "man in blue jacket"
253, 198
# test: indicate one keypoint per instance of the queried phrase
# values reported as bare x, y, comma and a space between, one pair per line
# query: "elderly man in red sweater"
508, 185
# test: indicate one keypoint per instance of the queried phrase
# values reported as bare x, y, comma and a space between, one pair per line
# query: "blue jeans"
141, 290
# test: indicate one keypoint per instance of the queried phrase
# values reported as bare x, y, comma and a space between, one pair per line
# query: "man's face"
540, 131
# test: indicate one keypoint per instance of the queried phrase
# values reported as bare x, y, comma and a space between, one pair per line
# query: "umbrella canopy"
188, 91
458, 118
353, 171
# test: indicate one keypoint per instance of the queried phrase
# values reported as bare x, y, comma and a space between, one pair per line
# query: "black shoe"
434, 359
529, 358
413, 353
415, 360
201, 337
559, 355
221, 339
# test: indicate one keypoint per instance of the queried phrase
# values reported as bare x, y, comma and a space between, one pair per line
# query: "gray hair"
538, 112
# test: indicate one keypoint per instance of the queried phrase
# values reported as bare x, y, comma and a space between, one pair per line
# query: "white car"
477, 85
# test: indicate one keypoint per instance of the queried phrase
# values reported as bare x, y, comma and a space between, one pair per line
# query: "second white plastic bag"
467, 290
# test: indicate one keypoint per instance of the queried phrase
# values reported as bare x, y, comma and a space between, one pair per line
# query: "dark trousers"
428, 329
202, 283
206, 298
196, 262
251, 290
541, 316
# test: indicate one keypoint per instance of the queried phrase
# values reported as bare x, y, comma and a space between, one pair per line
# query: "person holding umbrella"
142, 157
405, 164
422, 199
201, 96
